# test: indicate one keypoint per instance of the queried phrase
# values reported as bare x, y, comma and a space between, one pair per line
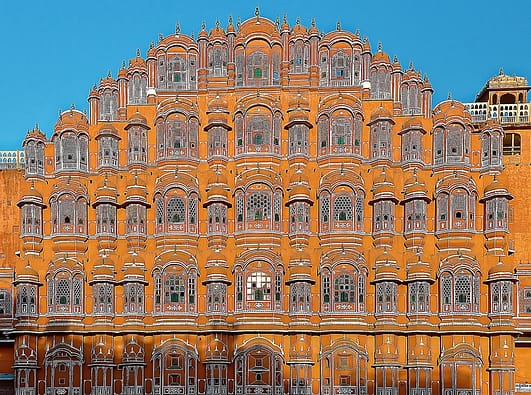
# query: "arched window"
138, 89
344, 370
103, 298
31, 219
26, 300
298, 140
380, 83
459, 292
174, 370
6, 303
217, 60
384, 216
412, 149
299, 57
386, 297
258, 133
261, 210
300, 298
65, 293
491, 147
177, 137
340, 133
451, 144
258, 370
501, 297
496, 214
107, 151
411, 98
257, 69
341, 211
217, 218
109, 105
343, 289
135, 219
71, 151
176, 212
456, 210
137, 145
216, 298
340, 69
418, 297
181, 72
381, 139
217, 142
259, 287
461, 371
415, 215
299, 214
133, 298
175, 290
106, 219
69, 214
34, 154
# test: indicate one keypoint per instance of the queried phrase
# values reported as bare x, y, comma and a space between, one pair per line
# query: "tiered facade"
269, 210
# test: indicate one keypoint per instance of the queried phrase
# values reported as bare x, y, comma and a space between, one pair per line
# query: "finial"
123, 64
109, 74
395, 59
313, 22
36, 125
379, 46
203, 26
338, 25
357, 33
138, 52
298, 21
217, 23
449, 95
257, 12
411, 65
230, 19
238, 23
160, 37
277, 22
72, 107
501, 71
285, 19
151, 45
177, 28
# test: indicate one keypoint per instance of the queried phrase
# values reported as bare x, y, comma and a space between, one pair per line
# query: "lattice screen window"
192, 210
343, 208
5, 302
324, 205
340, 67
175, 211
34, 154
108, 106
276, 67
177, 72
216, 298
217, 141
138, 89
300, 298
69, 149
442, 211
136, 218
133, 298
341, 132
525, 300
344, 289
386, 297
323, 130
496, 213
298, 140
463, 292
419, 297
174, 289
217, 61
257, 68
258, 133
103, 298
458, 203
258, 206
106, 218
108, 151
380, 84
323, 64
62, 293
77, 295
455, 143
239, 68
300, 54
159, 207
438, 146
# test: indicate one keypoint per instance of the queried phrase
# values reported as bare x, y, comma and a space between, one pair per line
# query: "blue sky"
54, 51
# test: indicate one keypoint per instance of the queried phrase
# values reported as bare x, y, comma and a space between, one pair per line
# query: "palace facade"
271, 210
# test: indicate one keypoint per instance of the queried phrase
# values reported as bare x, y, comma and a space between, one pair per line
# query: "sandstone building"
271, 210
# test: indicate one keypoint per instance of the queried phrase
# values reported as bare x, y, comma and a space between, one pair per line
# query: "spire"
501, 71
203, 26
177, 28
379, 46
257, 12
138, 52
338, 25
217, 23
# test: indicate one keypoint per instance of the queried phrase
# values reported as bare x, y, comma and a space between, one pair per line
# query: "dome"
105, 194
299, 192
495, 189
134, 272
300, 273
217, 350
218, 104
34, 134
133, 351
415, 188
30, 195
137, 62
419, 271
27, 275
298, 29
71, 119
500, 271
412, 123
217, 258
381, 113
313, 29
217, 33
136, 192
383, 188
380, 56
108, 83
137, 119
450, 109
217, 190
108, 129
218, 178
216, 269
122, 73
